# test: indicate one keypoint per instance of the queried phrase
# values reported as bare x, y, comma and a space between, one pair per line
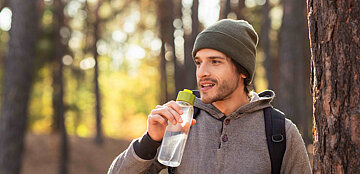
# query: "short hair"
241, 70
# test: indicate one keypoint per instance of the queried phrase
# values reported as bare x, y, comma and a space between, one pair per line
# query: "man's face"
217, 77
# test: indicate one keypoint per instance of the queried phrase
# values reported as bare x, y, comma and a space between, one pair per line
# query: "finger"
158, 106
193, 121
186, 128
166, 113
168, 109
156, 118
175, 114
174, 106
178, 111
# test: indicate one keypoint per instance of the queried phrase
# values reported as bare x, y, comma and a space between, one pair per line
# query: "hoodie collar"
257, 102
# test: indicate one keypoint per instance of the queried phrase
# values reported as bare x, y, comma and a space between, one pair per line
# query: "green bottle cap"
187, 96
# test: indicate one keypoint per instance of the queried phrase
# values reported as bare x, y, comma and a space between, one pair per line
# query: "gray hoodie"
235, 145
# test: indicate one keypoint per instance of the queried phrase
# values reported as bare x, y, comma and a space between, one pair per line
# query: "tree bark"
265, 45
98, 137
225, 9
58, 87
335, 69
18, 66
166, 19
179, 67
239, 10
293, 81
188, 46
4, 4
164, 95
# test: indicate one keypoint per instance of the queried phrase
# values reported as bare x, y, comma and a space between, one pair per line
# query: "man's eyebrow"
216, 57
212, 57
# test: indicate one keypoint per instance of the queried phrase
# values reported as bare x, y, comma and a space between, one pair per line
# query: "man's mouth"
206, 85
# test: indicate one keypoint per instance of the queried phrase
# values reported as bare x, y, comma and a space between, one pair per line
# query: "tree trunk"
179, 67
164, 95
265, 44
166, 19
188, 46
293, 81
225, 9
18, 66
58, 87
239, 10
4, 4
335, 69
98, 137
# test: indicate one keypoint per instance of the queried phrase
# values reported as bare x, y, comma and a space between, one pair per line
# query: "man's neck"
233, 102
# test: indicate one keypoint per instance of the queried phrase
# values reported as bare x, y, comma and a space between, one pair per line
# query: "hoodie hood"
257, 102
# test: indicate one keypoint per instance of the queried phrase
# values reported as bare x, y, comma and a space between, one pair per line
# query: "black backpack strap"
196, 112
196, 93
275, 136
196, 109
155, 167
171, 170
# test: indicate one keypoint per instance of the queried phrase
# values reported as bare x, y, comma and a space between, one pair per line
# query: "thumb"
193, 122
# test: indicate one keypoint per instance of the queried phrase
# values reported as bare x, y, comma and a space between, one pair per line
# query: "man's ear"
243, 76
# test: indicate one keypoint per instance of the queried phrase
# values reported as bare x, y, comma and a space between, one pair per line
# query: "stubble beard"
225, 89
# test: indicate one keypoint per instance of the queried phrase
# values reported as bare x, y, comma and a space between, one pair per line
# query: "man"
229, 134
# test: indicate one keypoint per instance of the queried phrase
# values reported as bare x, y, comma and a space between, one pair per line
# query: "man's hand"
158, 119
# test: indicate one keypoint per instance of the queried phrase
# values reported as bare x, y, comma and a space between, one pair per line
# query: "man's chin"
206, 100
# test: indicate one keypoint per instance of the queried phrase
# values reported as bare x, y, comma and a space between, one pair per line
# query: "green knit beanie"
235, 38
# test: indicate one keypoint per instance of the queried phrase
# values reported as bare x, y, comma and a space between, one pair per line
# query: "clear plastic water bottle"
174, 140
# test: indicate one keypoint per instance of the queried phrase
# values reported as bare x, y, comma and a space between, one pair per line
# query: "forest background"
101, 66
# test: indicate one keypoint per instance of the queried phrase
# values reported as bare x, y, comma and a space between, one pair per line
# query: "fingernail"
180, 120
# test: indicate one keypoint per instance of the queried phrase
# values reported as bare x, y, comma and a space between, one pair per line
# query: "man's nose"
202, 71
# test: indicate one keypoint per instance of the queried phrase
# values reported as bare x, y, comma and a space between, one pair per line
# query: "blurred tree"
4, 3
58, 85
265, 45
165, 19
178, 7
225, 9
96, 36
239, 9
188, 46
229, 8
179, 68
293, 77
335, 69
18, 66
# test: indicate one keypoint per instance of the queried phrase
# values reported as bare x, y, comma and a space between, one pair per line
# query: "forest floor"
41, 154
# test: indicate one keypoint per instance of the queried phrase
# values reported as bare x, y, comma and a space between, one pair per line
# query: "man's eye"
215, 61
197, 62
